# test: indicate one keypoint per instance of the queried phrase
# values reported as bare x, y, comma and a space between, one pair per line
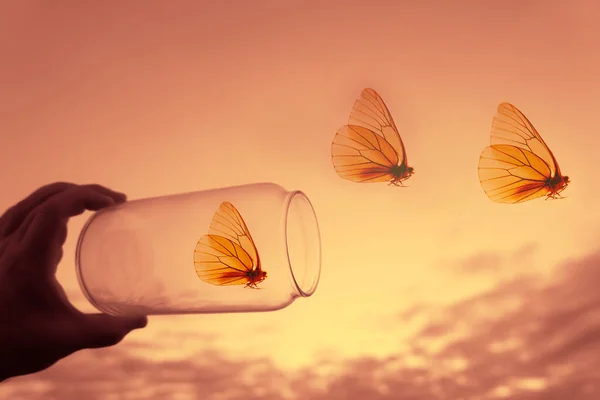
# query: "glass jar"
237, 249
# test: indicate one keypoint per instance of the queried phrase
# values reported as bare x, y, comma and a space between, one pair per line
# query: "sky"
427, 292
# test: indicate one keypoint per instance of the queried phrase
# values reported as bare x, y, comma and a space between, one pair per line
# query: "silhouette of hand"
38, 324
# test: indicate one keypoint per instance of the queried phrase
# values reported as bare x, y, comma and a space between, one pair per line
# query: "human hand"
38, 324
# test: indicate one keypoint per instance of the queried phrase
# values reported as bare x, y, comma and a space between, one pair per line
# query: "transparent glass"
140, 257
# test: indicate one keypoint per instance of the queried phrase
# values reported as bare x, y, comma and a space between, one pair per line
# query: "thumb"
103, 330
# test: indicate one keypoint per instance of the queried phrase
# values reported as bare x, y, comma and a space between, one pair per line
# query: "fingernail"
138, 322
121, 197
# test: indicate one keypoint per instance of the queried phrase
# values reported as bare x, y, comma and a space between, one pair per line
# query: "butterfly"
369, 148
227, 254
518, 166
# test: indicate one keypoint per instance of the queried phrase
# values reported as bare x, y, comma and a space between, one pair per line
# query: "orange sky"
429, 292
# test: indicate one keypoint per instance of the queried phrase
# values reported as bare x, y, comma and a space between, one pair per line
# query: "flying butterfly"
369, 148
518, 166
227, 254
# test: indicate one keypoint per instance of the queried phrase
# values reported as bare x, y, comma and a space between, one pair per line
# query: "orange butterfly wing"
228, 222
518, 164
369, 147
360, 155
511, 127
227, 255
370, 112
509, 174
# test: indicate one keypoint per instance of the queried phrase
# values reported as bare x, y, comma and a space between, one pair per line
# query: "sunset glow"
427, 292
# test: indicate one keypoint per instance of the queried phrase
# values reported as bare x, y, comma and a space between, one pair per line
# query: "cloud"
525, 339
117, 373
492, 262
488, 261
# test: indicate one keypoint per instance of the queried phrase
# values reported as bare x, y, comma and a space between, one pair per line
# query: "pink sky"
429, 292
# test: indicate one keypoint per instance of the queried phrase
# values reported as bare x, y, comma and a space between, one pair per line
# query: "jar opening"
303, 243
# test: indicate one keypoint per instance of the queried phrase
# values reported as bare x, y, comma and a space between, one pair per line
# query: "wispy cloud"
494, 262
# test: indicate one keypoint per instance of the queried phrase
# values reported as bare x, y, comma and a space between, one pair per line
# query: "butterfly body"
400, 173
556, 185
518, 166
369, 148
255, 277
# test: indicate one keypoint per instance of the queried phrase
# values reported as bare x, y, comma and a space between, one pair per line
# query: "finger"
77, 190
102, 330
14, 216
117, 196
45, 229
40, 241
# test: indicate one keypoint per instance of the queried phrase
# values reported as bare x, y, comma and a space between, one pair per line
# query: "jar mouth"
302, 243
